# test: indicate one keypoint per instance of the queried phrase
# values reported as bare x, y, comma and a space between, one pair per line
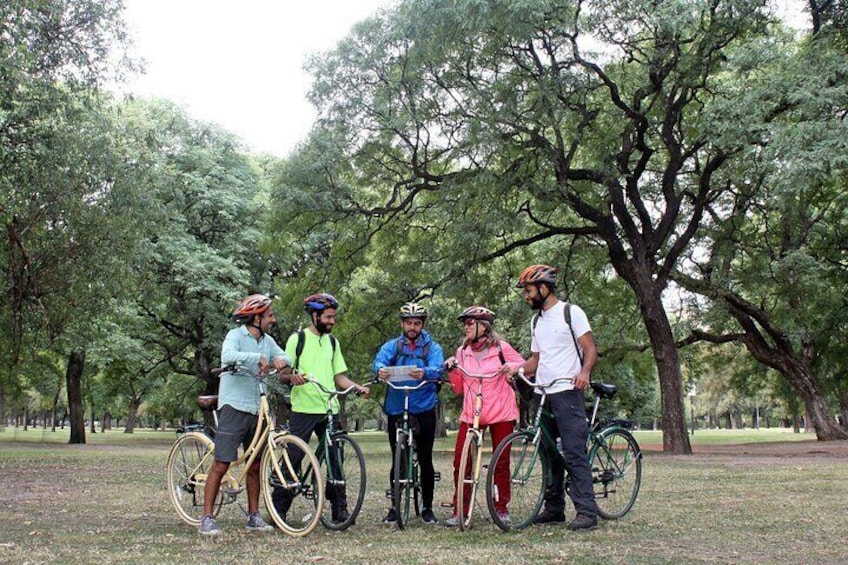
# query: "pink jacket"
498, 397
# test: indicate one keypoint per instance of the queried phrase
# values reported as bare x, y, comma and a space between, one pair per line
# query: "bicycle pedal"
234, 491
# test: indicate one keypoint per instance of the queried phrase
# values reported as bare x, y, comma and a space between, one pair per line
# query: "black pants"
567, 420
303, 426
425, 435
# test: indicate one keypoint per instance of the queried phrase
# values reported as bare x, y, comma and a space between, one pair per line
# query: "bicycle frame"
191, 477
613, 453
403, 433
335, 475
474, 434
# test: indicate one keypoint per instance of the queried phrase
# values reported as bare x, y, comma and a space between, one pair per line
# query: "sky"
239, 64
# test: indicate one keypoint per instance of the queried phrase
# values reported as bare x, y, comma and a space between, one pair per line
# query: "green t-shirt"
320, 363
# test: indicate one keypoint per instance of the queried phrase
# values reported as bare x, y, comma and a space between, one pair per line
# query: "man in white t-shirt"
562, 350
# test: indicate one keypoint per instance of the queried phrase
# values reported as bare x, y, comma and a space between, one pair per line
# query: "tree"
55, 153
548, 120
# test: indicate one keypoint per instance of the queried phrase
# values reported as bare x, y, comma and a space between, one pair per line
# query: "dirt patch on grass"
784, 449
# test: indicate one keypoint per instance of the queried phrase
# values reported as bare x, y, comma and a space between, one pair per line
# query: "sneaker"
504, 518
583, 522
391, 517
255, 523
428, 517
452, 522
340, 515
208, 527
547, 517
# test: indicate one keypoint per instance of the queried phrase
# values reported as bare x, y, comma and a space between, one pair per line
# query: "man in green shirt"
320, 357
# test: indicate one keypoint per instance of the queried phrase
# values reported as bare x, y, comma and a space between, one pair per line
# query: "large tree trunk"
664, 348
73, 380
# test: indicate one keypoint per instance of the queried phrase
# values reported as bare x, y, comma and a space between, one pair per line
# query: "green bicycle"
614, 455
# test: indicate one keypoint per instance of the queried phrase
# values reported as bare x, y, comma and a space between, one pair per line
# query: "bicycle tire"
616, 461
402, 480
305, 492
529, 472
189, 462
468, 478
351, 479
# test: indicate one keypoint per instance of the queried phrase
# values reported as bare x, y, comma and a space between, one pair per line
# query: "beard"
537, 302
411, 335
323, 328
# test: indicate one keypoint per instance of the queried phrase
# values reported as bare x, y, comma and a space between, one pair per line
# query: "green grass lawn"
105, 502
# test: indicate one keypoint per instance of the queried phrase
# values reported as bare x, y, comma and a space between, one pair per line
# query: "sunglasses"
470, 322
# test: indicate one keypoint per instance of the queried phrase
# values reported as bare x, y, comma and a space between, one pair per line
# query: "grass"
105, 502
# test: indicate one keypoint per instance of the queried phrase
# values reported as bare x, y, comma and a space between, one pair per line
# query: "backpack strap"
301, 341
566, 313
425, 352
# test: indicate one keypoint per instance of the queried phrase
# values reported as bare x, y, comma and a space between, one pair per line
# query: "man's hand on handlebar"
292, 377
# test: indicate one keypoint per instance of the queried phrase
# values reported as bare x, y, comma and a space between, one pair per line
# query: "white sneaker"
452, 522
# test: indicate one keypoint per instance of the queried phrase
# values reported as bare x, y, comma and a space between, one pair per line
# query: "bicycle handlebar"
520, 374
333, 392
474, 375
393, 384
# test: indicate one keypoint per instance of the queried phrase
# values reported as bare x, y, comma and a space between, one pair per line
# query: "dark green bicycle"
614, 455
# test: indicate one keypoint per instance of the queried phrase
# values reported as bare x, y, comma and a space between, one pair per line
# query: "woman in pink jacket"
484, 351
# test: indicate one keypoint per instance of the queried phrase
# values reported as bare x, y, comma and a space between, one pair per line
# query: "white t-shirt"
553, 341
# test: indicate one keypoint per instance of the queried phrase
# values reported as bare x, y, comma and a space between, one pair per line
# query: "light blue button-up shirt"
240, 390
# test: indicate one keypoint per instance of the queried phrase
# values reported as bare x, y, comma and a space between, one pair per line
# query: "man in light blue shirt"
238, 403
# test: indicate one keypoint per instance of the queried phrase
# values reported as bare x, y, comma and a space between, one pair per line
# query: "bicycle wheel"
345, 483
616, 472
402, 481
529, 471
189, 463
467, 480
300, 498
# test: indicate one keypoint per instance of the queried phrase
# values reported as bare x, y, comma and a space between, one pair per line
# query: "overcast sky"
239, 63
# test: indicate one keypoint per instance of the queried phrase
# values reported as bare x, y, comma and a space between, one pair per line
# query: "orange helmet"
477, 313
252, 305
535, 274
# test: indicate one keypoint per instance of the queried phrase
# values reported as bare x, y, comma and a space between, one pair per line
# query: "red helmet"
477, 313
535, 274
319, 302
252, 305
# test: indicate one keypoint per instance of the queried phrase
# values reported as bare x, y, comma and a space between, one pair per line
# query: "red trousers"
498, 431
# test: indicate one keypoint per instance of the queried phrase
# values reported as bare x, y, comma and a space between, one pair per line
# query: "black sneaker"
583, 522
428, 517
391, 517
547, 517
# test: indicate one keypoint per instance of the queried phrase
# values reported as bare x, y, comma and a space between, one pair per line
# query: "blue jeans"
567, 420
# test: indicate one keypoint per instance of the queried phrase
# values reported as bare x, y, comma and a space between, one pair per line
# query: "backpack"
301, 341
566, 312
425, 351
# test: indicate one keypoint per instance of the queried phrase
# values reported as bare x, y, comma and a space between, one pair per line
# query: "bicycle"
471, 461
342, 466
406, 476
193, 454
614, 455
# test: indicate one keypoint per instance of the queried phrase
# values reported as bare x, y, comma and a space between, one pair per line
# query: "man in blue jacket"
415, 347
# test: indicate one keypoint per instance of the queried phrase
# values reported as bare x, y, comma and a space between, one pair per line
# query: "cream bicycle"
193, 454
471, 461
